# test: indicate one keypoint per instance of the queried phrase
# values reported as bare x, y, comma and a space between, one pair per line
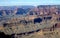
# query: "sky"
28, 2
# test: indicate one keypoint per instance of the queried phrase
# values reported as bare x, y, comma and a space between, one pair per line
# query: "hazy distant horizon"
28, 2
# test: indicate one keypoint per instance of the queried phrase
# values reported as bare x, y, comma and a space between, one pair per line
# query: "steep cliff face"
39, 10
10, 9
15, 25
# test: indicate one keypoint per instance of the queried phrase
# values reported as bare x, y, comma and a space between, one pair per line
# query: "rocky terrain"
42, 21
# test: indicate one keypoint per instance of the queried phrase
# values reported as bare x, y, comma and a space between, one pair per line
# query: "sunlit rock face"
13, 10
38, 10
38, 18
